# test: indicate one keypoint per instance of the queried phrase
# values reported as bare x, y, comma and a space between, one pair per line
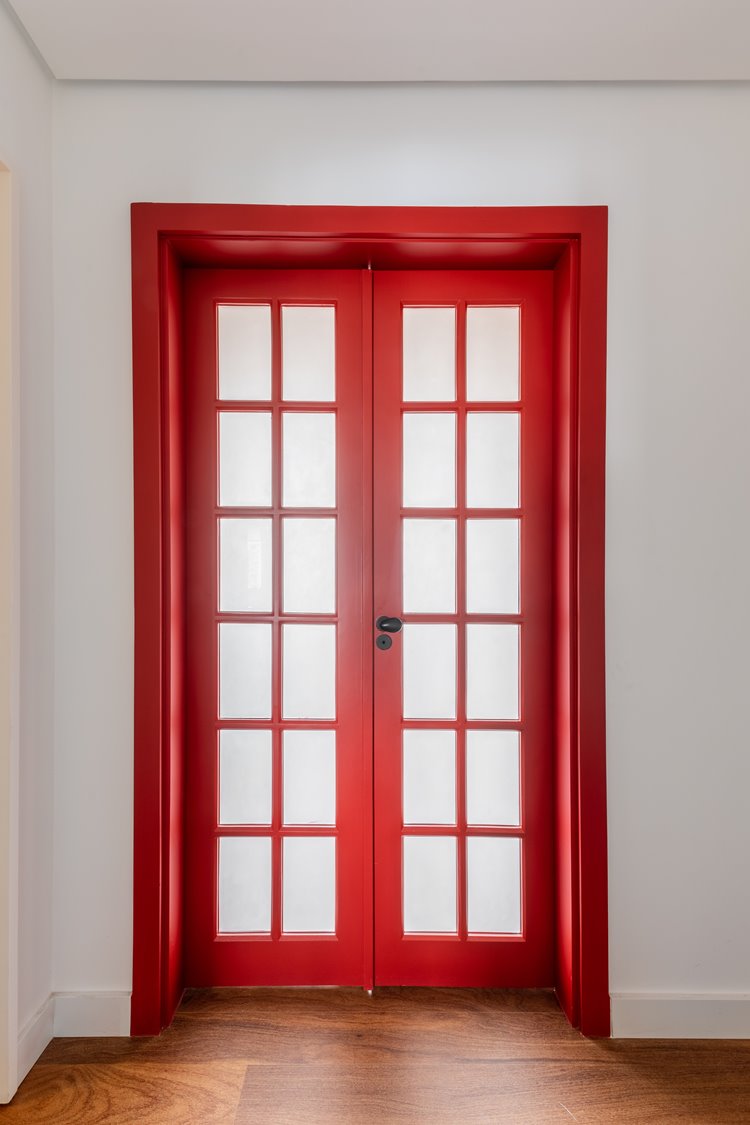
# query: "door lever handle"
389, 624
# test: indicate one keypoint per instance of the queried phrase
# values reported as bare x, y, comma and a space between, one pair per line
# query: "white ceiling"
391, 40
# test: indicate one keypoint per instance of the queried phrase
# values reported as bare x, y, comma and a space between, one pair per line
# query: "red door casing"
321, 817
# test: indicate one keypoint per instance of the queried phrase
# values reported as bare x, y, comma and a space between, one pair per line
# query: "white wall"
25, 148
673, 164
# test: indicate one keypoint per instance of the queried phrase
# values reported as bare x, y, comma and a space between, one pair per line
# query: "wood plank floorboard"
338, 1057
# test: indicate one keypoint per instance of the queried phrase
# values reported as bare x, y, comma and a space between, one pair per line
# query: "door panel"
288, 880
278, 834
462, 432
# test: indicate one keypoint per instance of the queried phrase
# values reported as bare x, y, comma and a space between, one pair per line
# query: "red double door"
368, 791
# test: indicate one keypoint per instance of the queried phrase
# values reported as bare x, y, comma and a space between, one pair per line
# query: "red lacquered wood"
277, 958
149, 987
589, 601
567, 974
173, 518
510, 961
159, 635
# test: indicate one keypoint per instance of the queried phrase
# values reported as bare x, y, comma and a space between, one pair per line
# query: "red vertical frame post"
159, 631
588, 538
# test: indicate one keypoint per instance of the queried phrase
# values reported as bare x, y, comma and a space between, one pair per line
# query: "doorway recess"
568, 242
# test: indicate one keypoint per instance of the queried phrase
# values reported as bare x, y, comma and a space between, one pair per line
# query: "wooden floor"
337, 1057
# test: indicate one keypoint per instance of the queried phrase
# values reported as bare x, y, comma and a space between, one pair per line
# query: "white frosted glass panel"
244, 671
429, 460
245, 777
309, 566
244, 460
245, 351
492, 460
309, 472
493, 877
309, 885
493, 794
492, 553
429, 777
245, 583
492, 354
308, 351
429, 355
429, 566
309, 672
492, 671
429, 671
430, 885
244, 885
309, 777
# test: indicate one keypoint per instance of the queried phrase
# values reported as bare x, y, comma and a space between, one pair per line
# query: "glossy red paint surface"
467, 960
570, 242
278, 957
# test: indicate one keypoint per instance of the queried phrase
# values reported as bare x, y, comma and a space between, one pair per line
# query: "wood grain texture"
338, 1057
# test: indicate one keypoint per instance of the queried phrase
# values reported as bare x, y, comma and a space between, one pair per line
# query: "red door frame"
569, 241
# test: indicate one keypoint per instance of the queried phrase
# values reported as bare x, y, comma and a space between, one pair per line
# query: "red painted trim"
591, 724
173, 716
148, 984
559, 238
565, 712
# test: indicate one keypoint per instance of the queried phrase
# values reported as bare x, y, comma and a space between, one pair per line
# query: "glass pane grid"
486, 862
258, 794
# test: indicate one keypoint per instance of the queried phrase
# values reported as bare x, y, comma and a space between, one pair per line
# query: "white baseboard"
34, 1037
681, 1015
92, 1013
72, 1013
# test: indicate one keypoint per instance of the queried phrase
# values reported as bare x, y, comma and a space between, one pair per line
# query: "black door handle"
389, 624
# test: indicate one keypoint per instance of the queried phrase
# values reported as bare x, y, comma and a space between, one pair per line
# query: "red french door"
277, 799
462, 436
368, 790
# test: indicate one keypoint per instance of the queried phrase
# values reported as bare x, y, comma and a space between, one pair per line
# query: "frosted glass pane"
309, 443
429, 777
493, 794
245, 351
429, 355
492, 354
492, 552
493, 877
308, 351
245, 460
244, 671
309, 777
309, 672
429, 566
244, 885
492, 671
430, 885
245, 777
429, 671
429, 460
309, 885
492, 460
309, 566
245, 583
